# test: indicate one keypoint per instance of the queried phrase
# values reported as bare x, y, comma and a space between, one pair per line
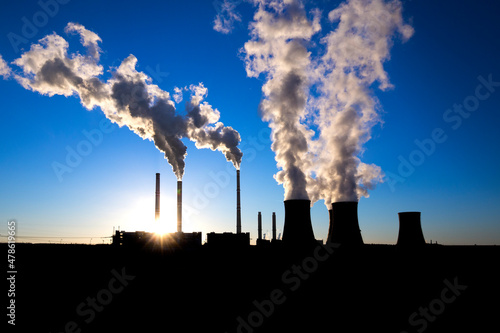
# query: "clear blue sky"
455, 185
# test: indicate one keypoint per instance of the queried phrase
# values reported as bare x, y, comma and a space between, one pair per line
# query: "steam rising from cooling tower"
128, 98
355, 53
318, 141
278, 48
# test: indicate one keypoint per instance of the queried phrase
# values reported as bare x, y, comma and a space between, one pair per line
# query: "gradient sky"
455, 183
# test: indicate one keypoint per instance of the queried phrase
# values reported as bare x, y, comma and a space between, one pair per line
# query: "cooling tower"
410, 230
179, 206
344, 226
238, 206
157, 198
298, 232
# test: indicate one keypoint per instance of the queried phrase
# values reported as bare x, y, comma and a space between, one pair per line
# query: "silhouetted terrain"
372, 289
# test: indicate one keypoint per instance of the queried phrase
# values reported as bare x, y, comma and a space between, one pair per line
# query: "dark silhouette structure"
344, 225
298, 232
238, 203
259, 226
149, 240
228, 240
179, 206
274, 226
157, 198
410, 230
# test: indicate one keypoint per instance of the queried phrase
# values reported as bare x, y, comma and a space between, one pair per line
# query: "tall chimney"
274, 226
259, 225
344, 225
179, 206
238, 205
298, 232
157, 198
410, 230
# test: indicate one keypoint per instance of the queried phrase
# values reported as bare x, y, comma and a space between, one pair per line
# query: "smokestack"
179, 206
157, 198
274, 226
238, 206
259, 225
410, 230
298, 232
344, 226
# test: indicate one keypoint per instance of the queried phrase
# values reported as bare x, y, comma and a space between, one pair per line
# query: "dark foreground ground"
79, 288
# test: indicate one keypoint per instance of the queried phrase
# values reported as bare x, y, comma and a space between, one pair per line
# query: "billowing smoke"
348, 109
320, 107
128, 98
204, 128
4, 68
280, 33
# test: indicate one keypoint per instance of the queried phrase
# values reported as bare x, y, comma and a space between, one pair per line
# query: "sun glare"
159, 228
140, 217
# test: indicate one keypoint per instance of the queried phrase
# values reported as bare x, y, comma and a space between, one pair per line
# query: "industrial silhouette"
298, 233
344, 226
410, 230
145, 281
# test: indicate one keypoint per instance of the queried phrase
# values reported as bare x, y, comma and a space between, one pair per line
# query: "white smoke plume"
320, 107
226, 16
205, 129
128, 98
348, 109
4, 68
280, 34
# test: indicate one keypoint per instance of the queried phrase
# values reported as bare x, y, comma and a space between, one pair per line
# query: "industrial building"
298, 233
176, 240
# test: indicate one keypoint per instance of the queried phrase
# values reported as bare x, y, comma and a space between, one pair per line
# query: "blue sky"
454, 183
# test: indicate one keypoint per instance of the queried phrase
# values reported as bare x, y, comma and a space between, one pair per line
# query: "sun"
141, 217
159, 228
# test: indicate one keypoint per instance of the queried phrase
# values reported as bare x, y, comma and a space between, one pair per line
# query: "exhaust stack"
179, 206
157, 198
344, 225
238, 206
259, 225
298, 232
274, 226
410, 230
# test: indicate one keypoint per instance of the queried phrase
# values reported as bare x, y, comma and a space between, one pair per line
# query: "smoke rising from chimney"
128, 98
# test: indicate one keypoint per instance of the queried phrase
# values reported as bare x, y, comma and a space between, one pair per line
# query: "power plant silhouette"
280, 284
298, 234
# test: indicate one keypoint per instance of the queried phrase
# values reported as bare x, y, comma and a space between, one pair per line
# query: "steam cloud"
321, 109
226, 16
353, 61
278, 48
128, 98
4, 68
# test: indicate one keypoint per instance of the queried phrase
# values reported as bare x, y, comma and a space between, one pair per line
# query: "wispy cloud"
4, 68
226, 15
